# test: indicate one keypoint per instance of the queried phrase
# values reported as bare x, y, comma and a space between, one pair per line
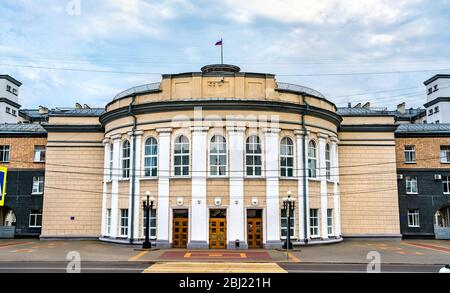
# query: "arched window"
287, 157
151, 157
253, 158
328, 161
218, 156
126, 159
181, 156
312, 160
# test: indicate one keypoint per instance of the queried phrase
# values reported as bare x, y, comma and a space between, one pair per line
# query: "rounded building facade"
219, 152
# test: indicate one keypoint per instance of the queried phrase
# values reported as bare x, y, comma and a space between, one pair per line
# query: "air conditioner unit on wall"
437, 177
399, 176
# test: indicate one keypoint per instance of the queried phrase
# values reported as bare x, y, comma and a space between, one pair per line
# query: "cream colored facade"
245, 112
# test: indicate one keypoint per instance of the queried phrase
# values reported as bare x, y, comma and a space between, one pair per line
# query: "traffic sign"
3, 172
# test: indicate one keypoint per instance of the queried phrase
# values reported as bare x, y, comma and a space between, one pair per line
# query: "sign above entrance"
3, 172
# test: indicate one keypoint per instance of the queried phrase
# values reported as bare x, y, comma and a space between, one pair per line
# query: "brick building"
423, 166
22, 151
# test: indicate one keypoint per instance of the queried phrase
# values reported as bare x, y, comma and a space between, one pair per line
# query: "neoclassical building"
219, 151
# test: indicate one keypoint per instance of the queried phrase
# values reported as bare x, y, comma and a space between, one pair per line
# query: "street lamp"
147, 202
289, 205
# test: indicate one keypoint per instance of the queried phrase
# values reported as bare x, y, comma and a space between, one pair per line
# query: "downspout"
305, 177
133, 170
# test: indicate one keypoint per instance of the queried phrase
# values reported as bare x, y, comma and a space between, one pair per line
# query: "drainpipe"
133, 170
305, 174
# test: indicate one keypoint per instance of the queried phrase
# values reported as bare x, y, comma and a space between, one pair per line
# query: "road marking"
214, 255
431, 247
23, 251
138, 256
192, 267
294, 258
14, 244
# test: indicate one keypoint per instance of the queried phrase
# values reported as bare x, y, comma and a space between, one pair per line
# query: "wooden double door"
180, 229
217, 229
254, 229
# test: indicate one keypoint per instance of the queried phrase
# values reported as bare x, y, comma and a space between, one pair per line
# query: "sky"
378, 51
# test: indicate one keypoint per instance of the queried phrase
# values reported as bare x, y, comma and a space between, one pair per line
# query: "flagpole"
221, 51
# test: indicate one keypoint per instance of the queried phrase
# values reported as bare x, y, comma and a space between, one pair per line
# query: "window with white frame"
446, 182
330, 222
413, 218
445, 154
253, 156
312, 160
151, 157
181, 156
35, 219
287, 157
124, 222
38, 184
108, 221
152, 224
328, 161
314, 222
111, 161
411, 184
218, 156
284, 221
4, 153
410, 154
39, 154
126, 162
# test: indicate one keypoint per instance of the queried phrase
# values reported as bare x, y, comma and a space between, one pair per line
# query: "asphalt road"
139, 267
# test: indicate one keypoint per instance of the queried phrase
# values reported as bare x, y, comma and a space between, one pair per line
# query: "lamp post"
147, 202
289, 205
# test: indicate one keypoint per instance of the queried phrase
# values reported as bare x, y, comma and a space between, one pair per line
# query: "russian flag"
219, 43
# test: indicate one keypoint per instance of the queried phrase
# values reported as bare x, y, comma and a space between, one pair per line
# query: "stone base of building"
333, 240
373, 236
198, 245
274, 244
162, 244
232, 245
68, 237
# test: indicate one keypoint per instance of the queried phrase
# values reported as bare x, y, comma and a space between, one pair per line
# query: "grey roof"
21, 128
300, 89
151, 87
84, 112
425, 128
11, 79
345, 111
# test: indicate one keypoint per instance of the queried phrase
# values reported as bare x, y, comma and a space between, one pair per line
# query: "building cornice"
251, 105
9, 102
437, 100
421, 134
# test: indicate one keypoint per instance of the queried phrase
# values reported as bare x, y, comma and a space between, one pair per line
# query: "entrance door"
254, 229
217, 229
180, 228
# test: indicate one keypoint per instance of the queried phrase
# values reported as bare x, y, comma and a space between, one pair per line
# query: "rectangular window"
430, 112
436, 109
35, 219
446, 182
124, 222
413, 218
8, 110
39, 154
410, 154
14, 112
38, 184
430, 91
445, 154
108, 221
8, 88
436, 88
330, 222
4, 153
284, 221
152, 224
411, 185
111, 161
314, 222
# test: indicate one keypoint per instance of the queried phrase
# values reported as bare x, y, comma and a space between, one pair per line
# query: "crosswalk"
211, 267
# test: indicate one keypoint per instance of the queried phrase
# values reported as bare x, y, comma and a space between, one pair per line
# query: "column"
199, 210
336, 195
236, 212
163, 207
323, 186
136, 167
273, 229
107, 146
302, 183
115, 186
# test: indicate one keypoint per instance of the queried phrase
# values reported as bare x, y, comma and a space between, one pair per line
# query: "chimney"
349, 105
366, 105
86, 106
43, 110
401, 108
357, 105
78, 106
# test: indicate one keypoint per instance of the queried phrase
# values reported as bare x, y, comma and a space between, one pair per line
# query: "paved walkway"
208, 267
